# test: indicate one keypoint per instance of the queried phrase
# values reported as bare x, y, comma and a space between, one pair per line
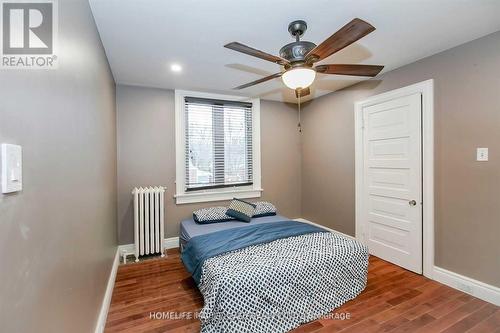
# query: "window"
218, 143
218, 152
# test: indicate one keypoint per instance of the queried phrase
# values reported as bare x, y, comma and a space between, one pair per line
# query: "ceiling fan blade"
302, 92
354, 70
256, 53
264, 79
348, 34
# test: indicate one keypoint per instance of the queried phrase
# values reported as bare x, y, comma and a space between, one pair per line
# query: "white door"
392, 180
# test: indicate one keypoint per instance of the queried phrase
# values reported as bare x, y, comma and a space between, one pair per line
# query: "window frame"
214, 194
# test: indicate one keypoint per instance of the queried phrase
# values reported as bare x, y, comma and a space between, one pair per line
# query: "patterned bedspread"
276, 286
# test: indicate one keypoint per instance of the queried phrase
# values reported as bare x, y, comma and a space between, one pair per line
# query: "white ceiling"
142, 38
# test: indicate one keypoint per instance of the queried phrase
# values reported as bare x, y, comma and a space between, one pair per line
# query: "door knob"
412, 203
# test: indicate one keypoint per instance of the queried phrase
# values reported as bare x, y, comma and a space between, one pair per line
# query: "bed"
272, 274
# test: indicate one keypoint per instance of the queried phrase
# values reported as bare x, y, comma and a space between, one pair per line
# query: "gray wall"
58, 236
467, 115
146, 155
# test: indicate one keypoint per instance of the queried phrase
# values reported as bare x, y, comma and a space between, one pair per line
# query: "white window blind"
218, 150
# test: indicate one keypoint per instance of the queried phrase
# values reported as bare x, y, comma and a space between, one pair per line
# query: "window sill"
186, 198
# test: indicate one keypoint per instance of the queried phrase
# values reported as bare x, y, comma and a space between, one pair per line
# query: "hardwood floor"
395, 300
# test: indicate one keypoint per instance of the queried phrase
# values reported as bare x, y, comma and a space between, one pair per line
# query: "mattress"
190, 229
272, 277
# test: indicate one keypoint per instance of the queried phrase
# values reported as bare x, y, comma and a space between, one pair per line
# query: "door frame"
426, 88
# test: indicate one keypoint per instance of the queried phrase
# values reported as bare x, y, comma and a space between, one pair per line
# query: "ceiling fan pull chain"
299, 125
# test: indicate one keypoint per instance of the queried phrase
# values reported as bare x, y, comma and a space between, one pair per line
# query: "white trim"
217, 196
426, 88
129, 249
322, 226
181, 197
103, 313
468, 285
171, 243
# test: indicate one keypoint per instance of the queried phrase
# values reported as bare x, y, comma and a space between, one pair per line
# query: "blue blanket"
203, 247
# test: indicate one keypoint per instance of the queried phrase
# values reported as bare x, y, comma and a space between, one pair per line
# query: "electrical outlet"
482, 154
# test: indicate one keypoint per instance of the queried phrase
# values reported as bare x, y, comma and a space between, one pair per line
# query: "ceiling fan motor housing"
296, 51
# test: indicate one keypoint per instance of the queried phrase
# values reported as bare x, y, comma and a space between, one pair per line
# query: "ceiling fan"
297, 59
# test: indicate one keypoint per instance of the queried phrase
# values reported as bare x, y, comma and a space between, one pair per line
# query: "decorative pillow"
241, 210
264, 208
211, 215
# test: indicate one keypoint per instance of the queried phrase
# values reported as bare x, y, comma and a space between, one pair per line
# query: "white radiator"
148, 221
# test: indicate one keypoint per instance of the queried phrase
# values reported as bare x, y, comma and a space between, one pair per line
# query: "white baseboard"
126, 248
103, 313
470, 286
322, 226
169, 243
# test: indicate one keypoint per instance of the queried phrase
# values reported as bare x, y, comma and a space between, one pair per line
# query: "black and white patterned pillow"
264, 208
241, 210
211, 215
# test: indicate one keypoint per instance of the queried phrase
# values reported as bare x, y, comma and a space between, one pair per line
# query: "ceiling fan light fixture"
299, 77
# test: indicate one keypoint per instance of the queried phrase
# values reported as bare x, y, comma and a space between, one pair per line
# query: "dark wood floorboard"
395, 300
